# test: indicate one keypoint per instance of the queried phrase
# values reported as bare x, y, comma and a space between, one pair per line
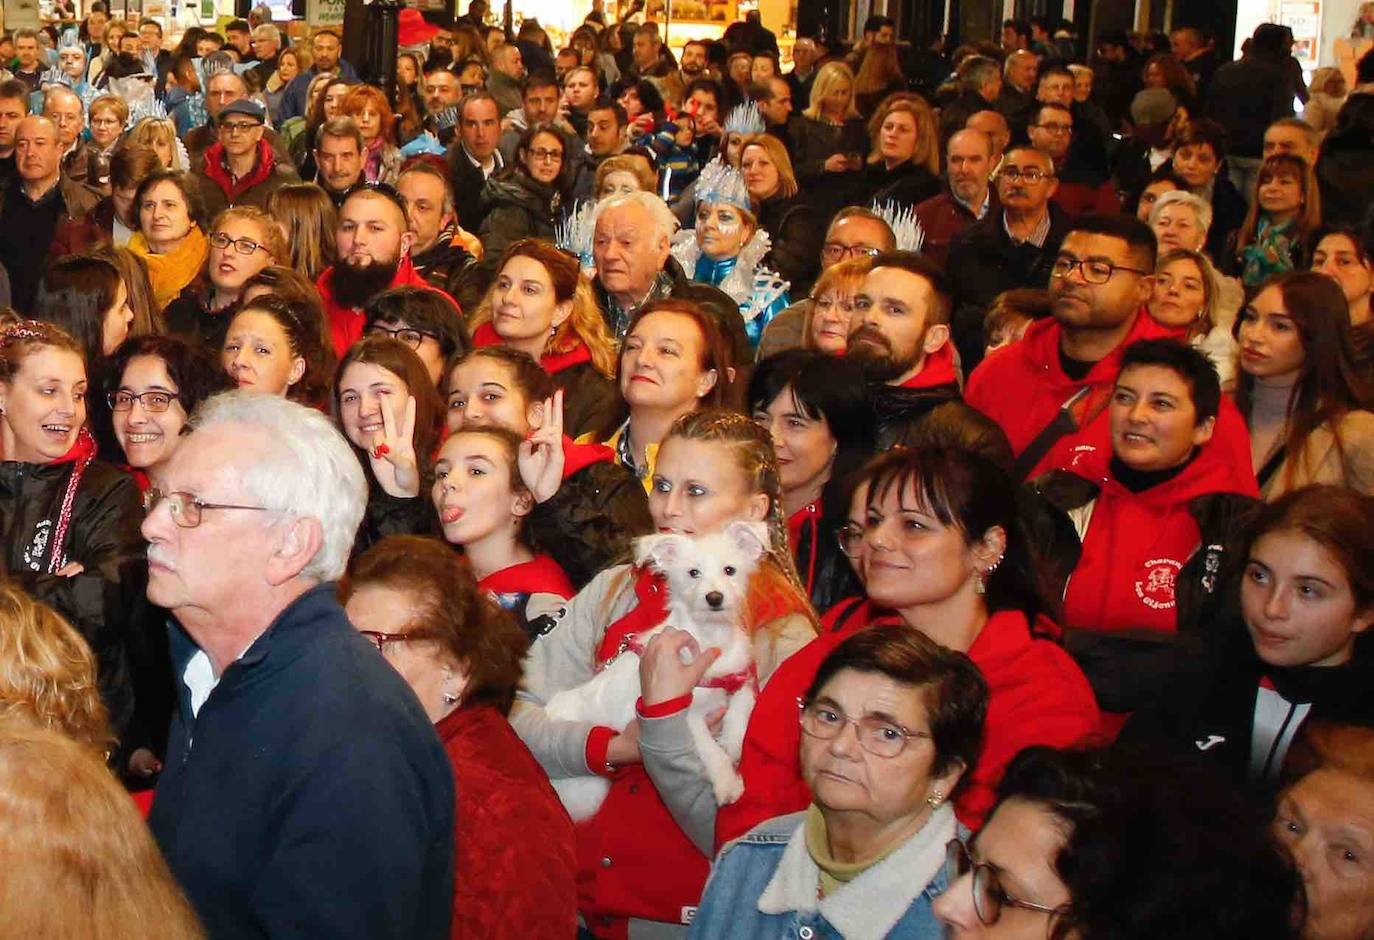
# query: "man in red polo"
374, 240
1047, 390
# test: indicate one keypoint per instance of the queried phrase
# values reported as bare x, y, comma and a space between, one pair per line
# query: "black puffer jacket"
516, 207
798, 231
595, 515
393, 515
102, 535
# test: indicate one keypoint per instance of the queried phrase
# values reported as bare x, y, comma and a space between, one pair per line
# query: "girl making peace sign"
387, 407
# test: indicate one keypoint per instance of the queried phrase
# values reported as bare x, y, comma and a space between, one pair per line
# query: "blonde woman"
308, 219
828, 140
47, 673
904, 163
292, 61
161, 135
1188, 296
78, 860
794, 225
542, 304
626, 173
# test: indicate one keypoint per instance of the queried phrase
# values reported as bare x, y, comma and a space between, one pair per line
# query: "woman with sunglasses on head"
515, 864
70, 521
388, 409
1118, 844
935, 536
867, 857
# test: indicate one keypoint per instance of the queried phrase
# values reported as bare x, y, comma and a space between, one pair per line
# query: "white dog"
708, 582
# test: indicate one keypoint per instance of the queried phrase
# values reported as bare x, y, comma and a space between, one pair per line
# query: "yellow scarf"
169, 273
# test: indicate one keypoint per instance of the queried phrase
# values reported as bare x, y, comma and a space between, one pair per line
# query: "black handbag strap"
1270, 466
1061, 424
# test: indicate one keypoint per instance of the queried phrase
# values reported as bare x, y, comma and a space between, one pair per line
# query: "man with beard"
374, 239
899, 335
967, 196
1007, 249
1046, 390
325, 48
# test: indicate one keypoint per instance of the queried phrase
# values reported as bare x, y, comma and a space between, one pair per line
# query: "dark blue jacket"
311, 797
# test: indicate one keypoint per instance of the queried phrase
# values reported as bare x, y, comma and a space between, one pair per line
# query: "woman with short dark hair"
515, 866
169, 238
866, 858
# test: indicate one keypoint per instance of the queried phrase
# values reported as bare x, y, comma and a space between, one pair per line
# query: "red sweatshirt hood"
580, 456
551, 362
1041, 342
938, 369
346, 323
217, 171
540, 575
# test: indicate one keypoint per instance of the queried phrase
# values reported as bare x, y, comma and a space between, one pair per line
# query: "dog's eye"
693, 572
730, 570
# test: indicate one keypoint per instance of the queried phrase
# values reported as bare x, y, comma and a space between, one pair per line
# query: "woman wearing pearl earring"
866, 858
934, 535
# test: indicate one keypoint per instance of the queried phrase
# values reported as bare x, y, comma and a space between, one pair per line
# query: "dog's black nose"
715, 599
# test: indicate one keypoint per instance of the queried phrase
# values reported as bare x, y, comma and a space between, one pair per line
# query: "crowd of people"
328, 425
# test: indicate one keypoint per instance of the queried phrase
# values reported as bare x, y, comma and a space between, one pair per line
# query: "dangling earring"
935, 799
450, 698
553, 330
981, 585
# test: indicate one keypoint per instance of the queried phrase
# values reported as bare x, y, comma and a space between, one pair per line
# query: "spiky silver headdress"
720, 182
906, 228
744, 119
145, 108
574, 233
70, 40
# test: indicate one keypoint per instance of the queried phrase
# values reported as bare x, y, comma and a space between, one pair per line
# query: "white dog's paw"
728, 790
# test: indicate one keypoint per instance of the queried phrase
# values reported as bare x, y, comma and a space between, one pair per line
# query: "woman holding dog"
866, 858
935, 537
644, 855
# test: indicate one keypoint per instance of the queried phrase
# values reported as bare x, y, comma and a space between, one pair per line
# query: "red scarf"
806, 517
81, 455
539, 575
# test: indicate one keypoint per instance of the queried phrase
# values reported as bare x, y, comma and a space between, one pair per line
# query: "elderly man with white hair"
305, 792
631, 238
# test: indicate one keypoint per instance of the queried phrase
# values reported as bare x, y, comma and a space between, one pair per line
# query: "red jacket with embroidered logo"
1036, 695
1022, 386
1137, 543
346, 323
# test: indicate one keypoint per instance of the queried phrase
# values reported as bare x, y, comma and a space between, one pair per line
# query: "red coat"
514, 868
1022, 387
1086, 198
1137, 543
346, 323
942, 217
1036, 695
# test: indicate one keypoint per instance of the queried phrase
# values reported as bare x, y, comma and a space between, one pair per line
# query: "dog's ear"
751, 538
661, 551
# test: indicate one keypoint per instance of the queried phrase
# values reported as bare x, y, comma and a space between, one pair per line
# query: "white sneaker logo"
1212, 741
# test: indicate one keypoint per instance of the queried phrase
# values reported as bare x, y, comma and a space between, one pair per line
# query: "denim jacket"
764, 886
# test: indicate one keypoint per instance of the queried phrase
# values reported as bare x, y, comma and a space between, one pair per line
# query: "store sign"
325, 12
1304, 19
21, 14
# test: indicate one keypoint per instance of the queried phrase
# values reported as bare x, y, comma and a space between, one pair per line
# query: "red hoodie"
262, 170
938, 369
540, 575
1022, 386
551, 362
346, 323
1137, 543
1036, 695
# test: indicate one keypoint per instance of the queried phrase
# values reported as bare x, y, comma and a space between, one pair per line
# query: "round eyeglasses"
989, 897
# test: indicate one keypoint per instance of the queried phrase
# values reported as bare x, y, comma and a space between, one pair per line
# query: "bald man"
38, 207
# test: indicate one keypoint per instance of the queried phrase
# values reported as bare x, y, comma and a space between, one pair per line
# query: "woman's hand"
837, 163
393, 457
71, 569
541, 458
644, 124
144, 763
624, 747
672, 665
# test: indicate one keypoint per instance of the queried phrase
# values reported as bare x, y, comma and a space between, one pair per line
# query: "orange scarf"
169, 273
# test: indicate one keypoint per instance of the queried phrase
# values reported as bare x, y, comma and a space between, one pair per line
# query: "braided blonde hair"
753, 449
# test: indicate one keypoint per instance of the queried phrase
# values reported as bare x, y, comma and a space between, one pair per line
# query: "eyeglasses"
186, 508
244, 246
1094, 272
153, 402
1055, 128
834, 251
545, 155
238, 127
1012, 174
989, 897
408, 335
380, 640
850, 536
880, 738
